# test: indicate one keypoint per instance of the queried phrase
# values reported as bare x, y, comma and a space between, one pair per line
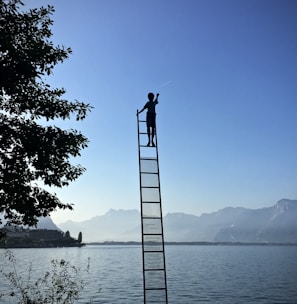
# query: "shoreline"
195, 243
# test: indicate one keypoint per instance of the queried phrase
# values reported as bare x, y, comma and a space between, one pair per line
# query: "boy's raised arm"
156, 100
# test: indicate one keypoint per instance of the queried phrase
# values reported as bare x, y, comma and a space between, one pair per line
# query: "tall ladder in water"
153, 254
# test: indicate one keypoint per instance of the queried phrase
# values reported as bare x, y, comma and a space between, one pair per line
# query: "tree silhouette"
79, 237
33, 153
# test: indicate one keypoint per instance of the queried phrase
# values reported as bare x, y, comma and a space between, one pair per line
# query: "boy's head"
150, 96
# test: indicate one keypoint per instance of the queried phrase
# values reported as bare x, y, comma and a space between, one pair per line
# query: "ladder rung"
161, 250
142, 120
159, 288
151, 218
150, 187
155, 269
144, 172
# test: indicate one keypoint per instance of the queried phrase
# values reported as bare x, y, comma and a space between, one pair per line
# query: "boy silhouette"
150, 117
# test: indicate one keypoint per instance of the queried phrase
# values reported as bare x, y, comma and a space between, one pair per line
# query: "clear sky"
226, 72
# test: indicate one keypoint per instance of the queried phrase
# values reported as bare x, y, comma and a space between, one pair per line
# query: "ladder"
153, 254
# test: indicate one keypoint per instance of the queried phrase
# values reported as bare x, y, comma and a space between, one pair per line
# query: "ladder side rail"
141, 210
162, 230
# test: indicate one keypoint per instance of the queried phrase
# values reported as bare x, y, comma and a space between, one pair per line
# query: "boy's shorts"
151, 119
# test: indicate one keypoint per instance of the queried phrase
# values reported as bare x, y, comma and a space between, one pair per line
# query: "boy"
150, 116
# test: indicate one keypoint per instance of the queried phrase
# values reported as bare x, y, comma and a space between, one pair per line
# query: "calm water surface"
195, 274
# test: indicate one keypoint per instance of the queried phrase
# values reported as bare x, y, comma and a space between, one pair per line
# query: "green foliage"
3, 237
62, 285
31, 152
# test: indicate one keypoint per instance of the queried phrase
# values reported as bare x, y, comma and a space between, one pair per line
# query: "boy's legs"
153, 134
149, 135
153, 125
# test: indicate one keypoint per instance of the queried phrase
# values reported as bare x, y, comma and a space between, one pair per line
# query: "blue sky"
226, 72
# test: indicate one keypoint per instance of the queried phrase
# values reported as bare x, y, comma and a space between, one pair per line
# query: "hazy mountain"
273, 224
120, 225
43, 223
46, 223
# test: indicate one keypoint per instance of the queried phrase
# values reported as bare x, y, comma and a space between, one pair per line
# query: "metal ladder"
153, 254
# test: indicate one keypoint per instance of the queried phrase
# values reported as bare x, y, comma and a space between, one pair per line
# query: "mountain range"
276, 224
43, 223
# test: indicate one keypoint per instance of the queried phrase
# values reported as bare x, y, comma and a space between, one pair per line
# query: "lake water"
195, 274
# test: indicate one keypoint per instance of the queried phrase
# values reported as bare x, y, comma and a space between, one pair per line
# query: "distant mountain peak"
285, 204
114, 211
